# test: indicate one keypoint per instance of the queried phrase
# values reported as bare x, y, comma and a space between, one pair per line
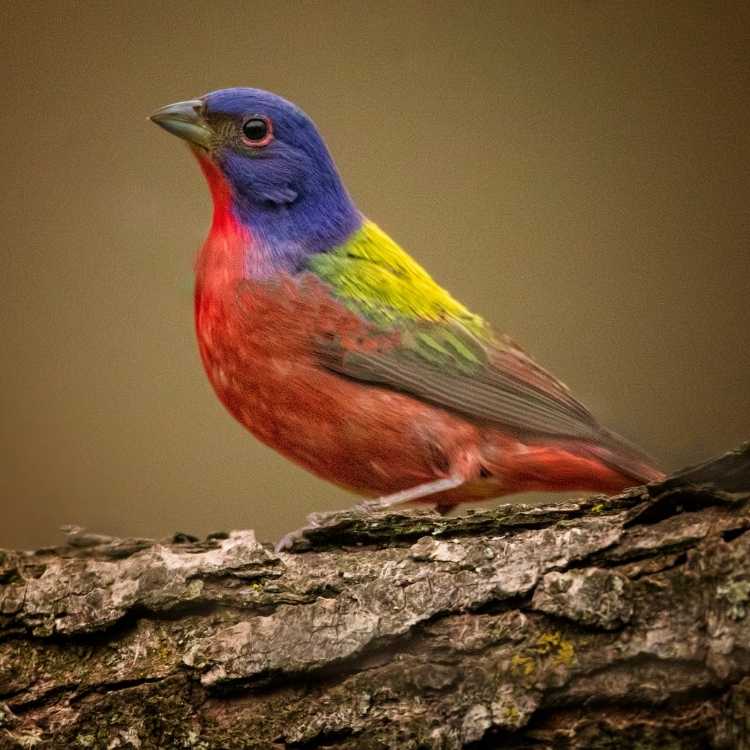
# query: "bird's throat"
221, 262
224, 219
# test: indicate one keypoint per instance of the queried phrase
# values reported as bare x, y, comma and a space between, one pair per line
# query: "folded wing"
436, 350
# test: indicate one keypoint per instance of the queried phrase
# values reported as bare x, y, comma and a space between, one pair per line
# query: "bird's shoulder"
378, 279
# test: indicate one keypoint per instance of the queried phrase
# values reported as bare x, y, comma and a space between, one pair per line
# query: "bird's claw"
286, 543
314, 521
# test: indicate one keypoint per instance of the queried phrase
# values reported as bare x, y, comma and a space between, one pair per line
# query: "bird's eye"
257, 131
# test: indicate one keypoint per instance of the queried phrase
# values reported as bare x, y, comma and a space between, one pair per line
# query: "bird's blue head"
282, 183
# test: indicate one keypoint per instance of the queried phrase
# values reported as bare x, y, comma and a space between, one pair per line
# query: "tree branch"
601, 623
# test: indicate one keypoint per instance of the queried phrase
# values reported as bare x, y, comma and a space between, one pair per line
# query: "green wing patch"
445, 355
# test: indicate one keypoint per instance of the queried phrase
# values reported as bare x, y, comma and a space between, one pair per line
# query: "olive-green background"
577, 172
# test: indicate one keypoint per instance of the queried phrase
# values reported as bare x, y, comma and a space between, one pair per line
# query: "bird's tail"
620, 454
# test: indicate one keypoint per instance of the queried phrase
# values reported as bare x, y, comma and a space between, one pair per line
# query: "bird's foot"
316, 520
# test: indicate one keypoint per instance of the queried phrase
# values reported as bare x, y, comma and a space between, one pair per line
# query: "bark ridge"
608, 622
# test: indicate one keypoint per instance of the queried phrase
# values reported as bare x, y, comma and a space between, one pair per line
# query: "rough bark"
620, 622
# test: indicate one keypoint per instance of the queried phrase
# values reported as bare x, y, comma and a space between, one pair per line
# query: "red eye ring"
257, 131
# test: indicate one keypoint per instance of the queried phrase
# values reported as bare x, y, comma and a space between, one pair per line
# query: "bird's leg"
316, 520
413, 493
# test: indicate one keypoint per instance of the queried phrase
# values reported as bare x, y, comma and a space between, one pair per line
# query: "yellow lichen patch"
559, 649
521, 665
511, 715
550, 649
566, 653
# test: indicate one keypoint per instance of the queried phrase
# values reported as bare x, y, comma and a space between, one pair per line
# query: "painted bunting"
332, 345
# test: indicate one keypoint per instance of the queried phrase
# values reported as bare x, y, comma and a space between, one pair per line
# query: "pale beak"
185, 120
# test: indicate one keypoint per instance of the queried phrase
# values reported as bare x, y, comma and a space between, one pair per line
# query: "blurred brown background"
575, 171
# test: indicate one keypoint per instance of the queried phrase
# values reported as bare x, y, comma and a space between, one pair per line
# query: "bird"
332, 345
